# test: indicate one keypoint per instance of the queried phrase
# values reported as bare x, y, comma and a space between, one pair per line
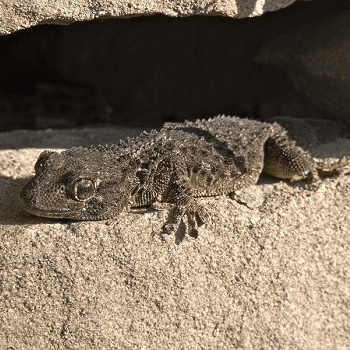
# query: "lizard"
173, 166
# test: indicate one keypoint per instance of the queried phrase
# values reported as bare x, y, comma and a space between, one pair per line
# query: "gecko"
174, 166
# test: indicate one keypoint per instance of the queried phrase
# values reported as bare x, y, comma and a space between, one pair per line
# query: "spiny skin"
175, 165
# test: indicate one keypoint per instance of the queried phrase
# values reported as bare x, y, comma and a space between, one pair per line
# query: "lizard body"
176, 165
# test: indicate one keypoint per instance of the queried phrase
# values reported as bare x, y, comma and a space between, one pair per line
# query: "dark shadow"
317, 7
144, 71
50, 139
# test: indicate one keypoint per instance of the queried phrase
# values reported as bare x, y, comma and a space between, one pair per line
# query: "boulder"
269, 275
316, 57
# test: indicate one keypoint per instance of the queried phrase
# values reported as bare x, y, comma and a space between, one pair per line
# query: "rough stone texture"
20, 14
275, 276
316, 57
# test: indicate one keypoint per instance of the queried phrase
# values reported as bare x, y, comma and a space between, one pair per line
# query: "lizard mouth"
80, 214
30, 207
49, 214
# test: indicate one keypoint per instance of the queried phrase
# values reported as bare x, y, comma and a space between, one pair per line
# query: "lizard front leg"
165, 181
188, 215
194, 214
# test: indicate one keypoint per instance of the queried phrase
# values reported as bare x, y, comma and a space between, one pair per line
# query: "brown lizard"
175, 165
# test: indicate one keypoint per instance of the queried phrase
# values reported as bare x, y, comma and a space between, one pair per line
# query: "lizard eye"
84, 189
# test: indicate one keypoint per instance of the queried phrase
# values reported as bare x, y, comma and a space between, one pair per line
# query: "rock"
19, 14
274, 277
310, 133
317, 59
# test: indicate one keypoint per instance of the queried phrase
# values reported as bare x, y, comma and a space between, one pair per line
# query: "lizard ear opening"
83, 190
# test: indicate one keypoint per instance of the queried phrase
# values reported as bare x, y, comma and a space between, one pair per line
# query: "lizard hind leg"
285, 160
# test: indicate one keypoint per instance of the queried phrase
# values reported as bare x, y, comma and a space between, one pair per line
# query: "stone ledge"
273, 276
21, 14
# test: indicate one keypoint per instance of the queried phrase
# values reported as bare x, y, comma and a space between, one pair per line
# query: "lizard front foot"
186, 219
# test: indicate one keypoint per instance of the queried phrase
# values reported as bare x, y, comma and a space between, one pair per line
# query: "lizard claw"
195, 216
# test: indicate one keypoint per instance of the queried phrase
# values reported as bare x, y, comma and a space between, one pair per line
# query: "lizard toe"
192, 226
173, 223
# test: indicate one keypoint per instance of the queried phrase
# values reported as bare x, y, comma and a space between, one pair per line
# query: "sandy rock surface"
19, 14
272, 273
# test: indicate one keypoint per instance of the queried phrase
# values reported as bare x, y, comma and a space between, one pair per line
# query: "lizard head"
80, 184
